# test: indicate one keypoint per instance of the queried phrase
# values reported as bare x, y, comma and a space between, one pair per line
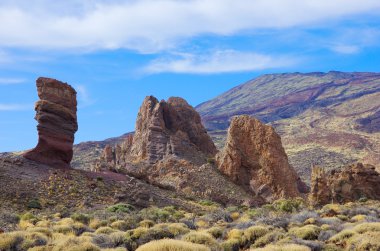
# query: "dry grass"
172, 245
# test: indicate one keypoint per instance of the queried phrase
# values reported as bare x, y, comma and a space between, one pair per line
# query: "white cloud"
15, 107
11, 81
153, 25
346, 49
83, 96
217, 62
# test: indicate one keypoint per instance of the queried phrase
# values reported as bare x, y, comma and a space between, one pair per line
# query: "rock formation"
57, 123
114, 157
253, 157
347, 184
171, 128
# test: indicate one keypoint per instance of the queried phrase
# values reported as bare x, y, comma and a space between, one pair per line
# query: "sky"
116, 52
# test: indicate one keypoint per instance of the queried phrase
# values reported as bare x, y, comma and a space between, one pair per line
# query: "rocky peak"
350, 183
253, 157
170, 127
57, 123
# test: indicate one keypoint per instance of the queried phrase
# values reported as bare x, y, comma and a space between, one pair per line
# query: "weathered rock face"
254, 158
113, 158
57, 123
171, 128
347, 184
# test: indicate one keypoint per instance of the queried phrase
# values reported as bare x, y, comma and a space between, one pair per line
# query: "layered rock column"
253, 157
56, 114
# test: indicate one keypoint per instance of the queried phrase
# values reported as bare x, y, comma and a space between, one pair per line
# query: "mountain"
330, 119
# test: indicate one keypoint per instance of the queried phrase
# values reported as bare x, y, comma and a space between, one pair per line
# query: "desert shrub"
105, 230
235, 215
217, 232
367, 241
285, 247
79, 228
288, 205
146, 223
202, 224
235, 234
178, 228
33, 239
43, 230
230, 245
83, 218
24, 224
96, 223
154, 233
308, 232
325, 235
117, 238
268, 238
120, 225
63, 229
303, 215
75, 244
367, 227
156, 214
29, 217
102, 240
43, 223
200, 238
34, 204
121, 208
342, 237
172, 245
211, 161
255, 232
10, 241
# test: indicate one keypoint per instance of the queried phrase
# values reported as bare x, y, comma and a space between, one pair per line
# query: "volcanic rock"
170, 128
253, 157
114, 158
57, 123
354, 182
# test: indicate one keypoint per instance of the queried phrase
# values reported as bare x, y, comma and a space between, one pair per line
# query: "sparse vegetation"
282, 225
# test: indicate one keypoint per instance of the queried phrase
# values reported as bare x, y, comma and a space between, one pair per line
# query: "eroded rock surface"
56, 114
170, 128
253, 157
347, 184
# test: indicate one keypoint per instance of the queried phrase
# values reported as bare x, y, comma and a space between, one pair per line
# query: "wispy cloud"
154, 25
346, 49
15, 107
11, 81
221, 61
83, 96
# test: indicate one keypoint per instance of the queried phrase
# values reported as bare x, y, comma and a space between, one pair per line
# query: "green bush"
83, 218
288, 205
308, 232
121, 208
34, 204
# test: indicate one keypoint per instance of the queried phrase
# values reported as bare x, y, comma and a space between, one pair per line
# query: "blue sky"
117, 52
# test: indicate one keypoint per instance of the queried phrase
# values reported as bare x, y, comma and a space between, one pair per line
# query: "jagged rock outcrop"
170, 128
56, 114
347, 184
114, 157
254, 158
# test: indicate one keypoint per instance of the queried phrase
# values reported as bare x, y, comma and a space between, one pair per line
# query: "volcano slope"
329, 119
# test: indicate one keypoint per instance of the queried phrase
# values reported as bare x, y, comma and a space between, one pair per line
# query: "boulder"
254, 158
56, 114
351, 183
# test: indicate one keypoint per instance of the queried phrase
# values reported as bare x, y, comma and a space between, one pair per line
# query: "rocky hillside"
330, 119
